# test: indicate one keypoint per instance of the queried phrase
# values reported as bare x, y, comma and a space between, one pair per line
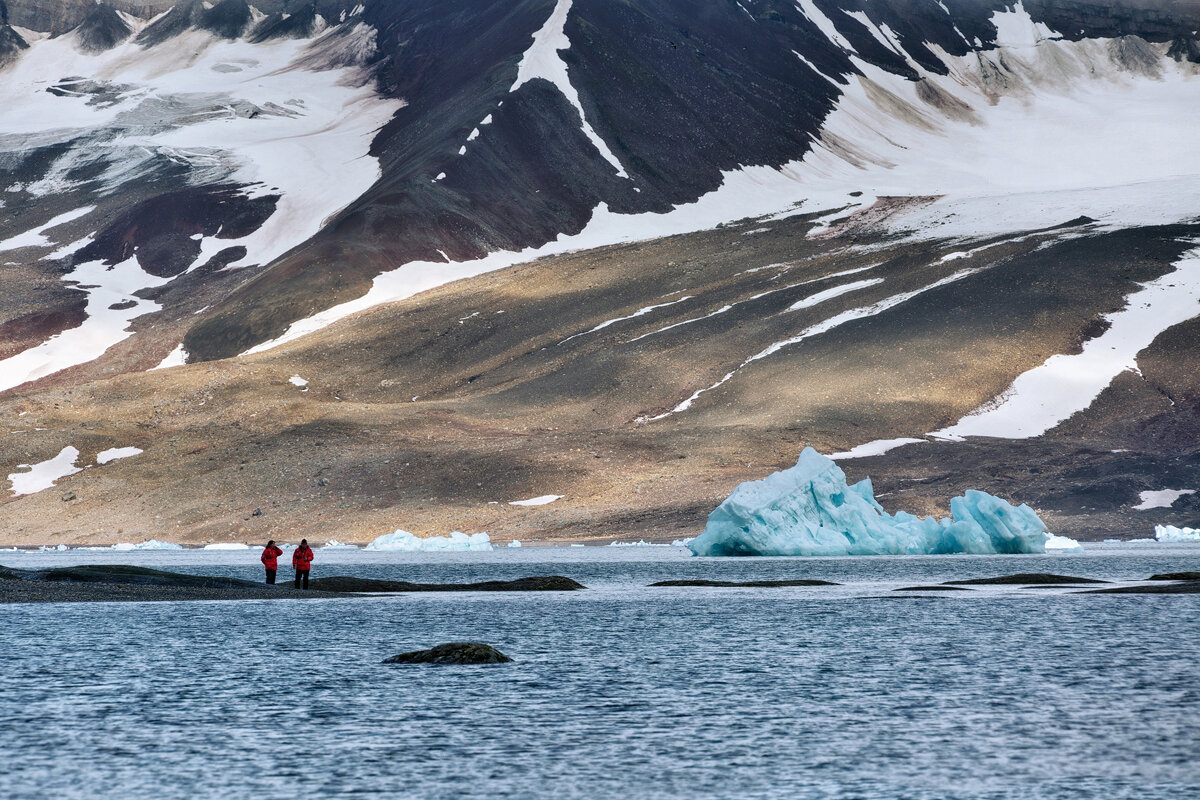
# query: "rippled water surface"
618, 691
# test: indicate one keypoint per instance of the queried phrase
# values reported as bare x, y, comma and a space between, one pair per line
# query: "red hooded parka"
302, 559
269, 557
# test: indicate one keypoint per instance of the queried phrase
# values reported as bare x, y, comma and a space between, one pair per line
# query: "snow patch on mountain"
114, 453
542, 60
1047, 395
274, 118
176, 358
37, 237
112, 304
44, 474
1163, 498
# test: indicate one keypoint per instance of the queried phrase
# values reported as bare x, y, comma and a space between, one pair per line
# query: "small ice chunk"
149, 544
809, 510
1169, 533
405, 542
43, 474
334, 544
227, 546
515, 543
1164, 498
537, 501
1061, 543
296, 380
113, 453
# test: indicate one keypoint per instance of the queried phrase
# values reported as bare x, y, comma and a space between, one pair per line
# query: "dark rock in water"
1176, 576
1023, 578
933, 589
746, 584
452, 653
540, 583
1181, 587
102, 29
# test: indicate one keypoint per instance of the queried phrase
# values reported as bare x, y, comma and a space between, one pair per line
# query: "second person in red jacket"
302, 562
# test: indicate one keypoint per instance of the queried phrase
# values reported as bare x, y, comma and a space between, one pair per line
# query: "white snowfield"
43, 474
268, 115
1163, 498
1049, 394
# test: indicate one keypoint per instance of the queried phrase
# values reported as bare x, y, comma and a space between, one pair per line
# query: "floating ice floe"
1169, 533
405, 542
537, 501
809, 510
515, 543
1061, 543
227, 546
641, 543
43, 474
1164, 498
334, 544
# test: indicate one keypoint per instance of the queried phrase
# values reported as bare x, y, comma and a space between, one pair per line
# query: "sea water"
621, 691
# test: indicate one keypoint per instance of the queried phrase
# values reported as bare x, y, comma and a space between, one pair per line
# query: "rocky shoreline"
121, 583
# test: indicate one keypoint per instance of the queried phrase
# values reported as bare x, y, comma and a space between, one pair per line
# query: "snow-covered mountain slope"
1007, 189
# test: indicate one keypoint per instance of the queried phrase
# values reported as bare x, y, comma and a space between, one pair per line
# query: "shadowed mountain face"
952, 182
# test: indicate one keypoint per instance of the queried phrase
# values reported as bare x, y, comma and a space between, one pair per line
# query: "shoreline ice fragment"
1169, 533
404, 542
809, 510
1061, 543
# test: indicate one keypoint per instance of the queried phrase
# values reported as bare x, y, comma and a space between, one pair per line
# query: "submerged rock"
537, 583
1176, 576
1024, 579
1180, 587
809, 510
452, 653
932, 589
746, 584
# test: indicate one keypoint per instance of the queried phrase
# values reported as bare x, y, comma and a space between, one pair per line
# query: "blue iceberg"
809, 510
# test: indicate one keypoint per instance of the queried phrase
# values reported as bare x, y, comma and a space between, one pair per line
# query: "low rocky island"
118, 582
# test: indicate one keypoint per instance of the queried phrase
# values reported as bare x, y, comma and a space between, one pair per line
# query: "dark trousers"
271, 576
301, 575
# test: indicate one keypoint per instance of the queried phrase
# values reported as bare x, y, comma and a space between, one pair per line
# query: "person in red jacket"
270, 559
302, 562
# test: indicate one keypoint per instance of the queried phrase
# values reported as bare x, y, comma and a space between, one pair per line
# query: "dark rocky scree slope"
431, 413
679, 91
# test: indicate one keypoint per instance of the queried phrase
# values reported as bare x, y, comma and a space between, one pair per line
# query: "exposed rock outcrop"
452, 653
